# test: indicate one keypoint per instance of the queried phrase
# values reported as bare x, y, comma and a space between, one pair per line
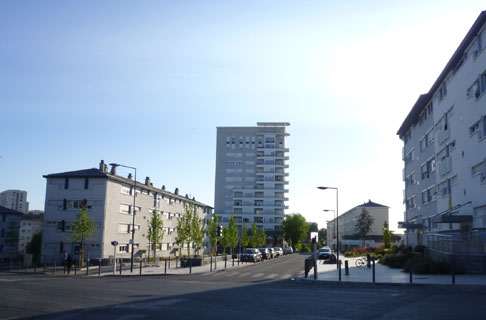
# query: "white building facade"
252, 176
30, 225
15, 200
444, 149
109, 199
346, 225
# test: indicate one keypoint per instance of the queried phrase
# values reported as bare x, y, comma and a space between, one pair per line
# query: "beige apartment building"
347, 227
109, 199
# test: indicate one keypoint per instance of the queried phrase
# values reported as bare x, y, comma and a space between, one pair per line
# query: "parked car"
279, 251
288, 250
273, 254
266, 254
324, 253
251, 254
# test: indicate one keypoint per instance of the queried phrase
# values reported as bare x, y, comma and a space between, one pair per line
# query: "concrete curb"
390, 284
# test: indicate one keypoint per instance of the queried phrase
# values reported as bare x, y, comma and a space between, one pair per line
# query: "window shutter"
64, 204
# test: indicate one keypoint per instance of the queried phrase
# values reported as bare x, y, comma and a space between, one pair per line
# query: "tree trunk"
155, 252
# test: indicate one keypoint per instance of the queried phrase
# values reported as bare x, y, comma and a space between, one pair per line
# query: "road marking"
231, 274
271, 276
244, 274
257, 275
286, 276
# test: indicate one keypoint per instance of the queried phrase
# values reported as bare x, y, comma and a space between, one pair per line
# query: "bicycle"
361, 262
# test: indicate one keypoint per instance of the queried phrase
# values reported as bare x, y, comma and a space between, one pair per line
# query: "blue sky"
146, 84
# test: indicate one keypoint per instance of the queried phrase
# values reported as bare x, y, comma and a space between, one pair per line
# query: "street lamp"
337, 225
134, 208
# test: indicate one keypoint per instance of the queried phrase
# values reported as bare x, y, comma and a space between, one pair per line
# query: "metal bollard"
215, 260
54, 267
373, 270
99, 269
121, 266
233, 257
411, 270
339, 262
239, 257
87, 268
346, 268
225, 258
190, 266
140, 267
453, 271
211, 264
165, 268
64, 267
169, 263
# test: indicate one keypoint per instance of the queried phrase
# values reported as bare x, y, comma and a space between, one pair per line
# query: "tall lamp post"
134, 208
337, 226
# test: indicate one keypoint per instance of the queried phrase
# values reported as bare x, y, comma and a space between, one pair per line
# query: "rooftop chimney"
130, 176
187, 196
163, 188
103, 166
147, 181
113, 170
176, 192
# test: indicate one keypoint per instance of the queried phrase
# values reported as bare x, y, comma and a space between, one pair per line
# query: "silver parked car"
279, 251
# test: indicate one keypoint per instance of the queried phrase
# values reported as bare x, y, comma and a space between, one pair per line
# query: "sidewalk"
384, 274
152, 269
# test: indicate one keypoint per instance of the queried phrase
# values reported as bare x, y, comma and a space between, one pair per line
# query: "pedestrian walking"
69, 263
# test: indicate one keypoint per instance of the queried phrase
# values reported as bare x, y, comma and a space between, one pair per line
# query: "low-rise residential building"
444, 153
348, 238
108, 198
9, 231
30, 224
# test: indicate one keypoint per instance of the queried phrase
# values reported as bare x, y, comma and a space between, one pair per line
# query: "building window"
66, 183
474, 128
411, 204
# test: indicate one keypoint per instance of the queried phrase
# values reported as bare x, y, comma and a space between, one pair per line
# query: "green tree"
34, 247
197, 227
182, 230
262, 238
295, 228
213, 223
254, 236
83, 230
313, 227
155, 232
363, 225
232, 233
245, 239
387, 235
323, 235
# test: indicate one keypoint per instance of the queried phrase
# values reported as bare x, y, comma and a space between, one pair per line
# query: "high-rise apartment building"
444, 151
251, 175
15, 200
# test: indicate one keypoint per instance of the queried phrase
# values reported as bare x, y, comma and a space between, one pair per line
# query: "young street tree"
34, 247
182, 230
254, 236
262, 238
155, 232
387, 235
245, 239
363, 225
295, 228
83, 230
197, 227
213, 223
232, 233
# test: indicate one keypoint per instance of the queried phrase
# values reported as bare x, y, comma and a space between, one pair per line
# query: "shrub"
422, 265
420, 248
305, 248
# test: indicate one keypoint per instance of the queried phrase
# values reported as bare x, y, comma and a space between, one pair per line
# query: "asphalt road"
260, 291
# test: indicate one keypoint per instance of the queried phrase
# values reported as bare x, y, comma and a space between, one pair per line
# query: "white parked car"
288, 250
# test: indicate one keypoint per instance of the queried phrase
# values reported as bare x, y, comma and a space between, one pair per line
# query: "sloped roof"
371, 204
9, 211
90, 173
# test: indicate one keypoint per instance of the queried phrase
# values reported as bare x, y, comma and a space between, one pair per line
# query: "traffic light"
219, 230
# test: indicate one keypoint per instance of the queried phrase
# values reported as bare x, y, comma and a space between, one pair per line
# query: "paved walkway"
384, 274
